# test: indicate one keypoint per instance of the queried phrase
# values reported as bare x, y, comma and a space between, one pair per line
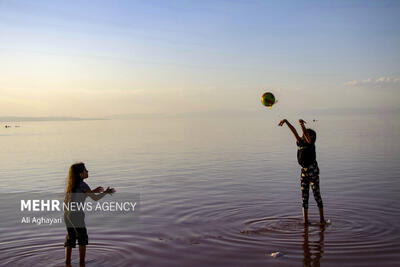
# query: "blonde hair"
73, 180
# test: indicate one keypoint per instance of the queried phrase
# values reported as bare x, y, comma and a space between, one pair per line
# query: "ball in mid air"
268, 99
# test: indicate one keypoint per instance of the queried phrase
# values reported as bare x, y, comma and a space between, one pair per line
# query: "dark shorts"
310, 176
76, 229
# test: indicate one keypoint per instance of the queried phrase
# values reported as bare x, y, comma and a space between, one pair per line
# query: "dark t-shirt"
305, 153
75, 217
79, 192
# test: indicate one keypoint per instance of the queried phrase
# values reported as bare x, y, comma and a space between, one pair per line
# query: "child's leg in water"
305, 216
82, 253
305, 188
317, 197
68, 252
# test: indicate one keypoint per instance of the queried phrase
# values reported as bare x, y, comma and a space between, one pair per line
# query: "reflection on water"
313, 250
215, 192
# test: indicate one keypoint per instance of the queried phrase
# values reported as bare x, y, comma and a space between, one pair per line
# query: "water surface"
214, 191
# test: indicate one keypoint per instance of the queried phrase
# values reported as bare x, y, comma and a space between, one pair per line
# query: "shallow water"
214, 191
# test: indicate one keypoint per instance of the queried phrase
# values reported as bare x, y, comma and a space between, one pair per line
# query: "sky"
105, 58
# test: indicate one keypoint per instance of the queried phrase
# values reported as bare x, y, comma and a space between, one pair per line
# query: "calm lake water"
213, 191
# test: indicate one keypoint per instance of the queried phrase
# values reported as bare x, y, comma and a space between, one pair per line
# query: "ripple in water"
224, 234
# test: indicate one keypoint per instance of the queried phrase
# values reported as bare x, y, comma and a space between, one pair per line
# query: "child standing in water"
306, 157
76, 192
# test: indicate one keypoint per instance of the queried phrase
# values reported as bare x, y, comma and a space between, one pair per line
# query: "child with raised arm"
76, 192
306, 157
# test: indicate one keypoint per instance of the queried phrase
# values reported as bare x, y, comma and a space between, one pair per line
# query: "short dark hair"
312, 134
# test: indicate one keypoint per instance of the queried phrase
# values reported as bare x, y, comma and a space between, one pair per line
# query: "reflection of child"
77, 191
309, 167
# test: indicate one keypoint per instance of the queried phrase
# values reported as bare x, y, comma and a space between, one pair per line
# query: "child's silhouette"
309, 167
77, 191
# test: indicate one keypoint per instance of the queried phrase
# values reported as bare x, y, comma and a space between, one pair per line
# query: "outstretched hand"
109, 191
98, 190
282, 122
301, 121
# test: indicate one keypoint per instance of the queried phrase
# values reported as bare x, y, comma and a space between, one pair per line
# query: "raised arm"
296, 135
305, 133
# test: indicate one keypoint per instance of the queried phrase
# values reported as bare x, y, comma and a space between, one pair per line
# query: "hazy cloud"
382, 82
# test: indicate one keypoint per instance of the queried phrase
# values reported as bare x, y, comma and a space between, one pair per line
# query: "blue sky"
120, 57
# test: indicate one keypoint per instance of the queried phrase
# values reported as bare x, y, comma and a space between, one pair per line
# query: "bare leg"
82, 253
68, 252
321, 216
305, 216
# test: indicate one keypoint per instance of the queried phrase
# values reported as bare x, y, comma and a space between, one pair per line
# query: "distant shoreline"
261, 112
21, 119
